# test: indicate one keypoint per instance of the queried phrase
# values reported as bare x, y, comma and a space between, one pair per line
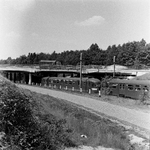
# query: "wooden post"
114, 66
89, 91
72, 88
99, 93
81, 72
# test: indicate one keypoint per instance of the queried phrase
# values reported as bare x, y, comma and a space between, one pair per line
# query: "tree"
100, 58
9, 60
53, 56
21, 60
111, 52
129, 54
91, 53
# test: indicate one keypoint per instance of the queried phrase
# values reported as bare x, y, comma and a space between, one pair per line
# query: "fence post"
72, 88
89, 91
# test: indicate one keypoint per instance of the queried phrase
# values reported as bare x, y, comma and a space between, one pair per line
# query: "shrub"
145, 97
105, 85
24, 131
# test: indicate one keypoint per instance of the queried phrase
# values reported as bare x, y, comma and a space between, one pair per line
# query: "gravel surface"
138, 118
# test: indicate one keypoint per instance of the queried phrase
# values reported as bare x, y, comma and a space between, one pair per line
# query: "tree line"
134, 54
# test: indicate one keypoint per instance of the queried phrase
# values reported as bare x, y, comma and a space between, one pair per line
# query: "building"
49, 64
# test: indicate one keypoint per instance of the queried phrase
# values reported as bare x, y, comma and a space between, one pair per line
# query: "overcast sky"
59, 25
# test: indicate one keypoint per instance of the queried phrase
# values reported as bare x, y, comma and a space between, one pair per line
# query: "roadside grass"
86, 128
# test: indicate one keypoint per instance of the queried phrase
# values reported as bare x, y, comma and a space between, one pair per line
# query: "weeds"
99, 131
25, 131
145, 97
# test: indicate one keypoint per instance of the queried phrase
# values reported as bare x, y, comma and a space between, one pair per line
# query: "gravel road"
137, 118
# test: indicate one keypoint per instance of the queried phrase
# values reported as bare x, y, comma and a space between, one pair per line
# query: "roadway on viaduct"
135, 118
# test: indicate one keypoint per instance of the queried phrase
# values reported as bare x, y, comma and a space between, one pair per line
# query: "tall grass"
99, 131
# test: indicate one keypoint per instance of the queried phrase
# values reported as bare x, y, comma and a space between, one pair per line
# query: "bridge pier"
9, 76
20, 77
13, 76
30, 78
23, 78
6, 75
17, 77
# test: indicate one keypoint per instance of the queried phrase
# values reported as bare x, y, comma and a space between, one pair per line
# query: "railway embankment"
36, 121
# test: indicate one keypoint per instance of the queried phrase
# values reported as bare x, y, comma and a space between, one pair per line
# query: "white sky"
59, 25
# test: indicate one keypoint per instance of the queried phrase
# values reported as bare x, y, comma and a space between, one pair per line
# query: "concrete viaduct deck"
30, 75
33, 75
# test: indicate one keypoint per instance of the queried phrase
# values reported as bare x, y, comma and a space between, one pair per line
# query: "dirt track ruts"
137, 118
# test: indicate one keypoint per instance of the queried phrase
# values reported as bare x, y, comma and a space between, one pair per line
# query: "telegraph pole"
80, 72
114, 66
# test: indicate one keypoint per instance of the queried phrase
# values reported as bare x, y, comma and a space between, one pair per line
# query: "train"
134, 89
89, 85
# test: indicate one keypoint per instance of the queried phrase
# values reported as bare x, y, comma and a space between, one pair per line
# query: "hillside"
35, 121
24, 127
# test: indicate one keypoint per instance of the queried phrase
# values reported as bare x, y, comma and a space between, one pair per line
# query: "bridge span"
29, 75
33, 75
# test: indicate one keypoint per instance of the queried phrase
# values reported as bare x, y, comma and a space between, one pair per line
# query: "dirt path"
134, 117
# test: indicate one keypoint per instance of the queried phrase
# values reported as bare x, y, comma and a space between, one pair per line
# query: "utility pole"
114, 66
81, 72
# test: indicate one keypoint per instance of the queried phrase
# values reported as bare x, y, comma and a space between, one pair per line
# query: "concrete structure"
30, 75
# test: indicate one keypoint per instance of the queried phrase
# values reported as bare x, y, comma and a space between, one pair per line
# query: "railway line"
135, 118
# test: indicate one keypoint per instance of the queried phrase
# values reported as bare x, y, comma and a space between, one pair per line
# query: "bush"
24, 131
105, 89
145, 97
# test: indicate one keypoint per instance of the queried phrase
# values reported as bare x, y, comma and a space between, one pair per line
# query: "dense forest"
134, 54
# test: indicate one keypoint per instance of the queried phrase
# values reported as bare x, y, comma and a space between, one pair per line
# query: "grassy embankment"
52, 116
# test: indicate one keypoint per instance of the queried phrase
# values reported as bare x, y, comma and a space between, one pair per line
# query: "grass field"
97, 131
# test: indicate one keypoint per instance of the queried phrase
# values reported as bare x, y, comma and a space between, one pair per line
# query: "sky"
28, 26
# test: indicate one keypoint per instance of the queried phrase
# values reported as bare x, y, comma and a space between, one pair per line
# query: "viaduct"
28, 75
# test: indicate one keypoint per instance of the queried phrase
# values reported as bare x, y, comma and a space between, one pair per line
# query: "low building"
49, 64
